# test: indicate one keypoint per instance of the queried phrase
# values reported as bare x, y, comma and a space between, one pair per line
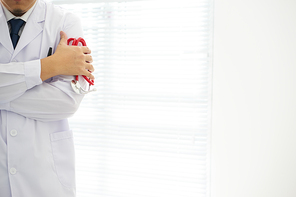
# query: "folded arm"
18, 77
48, 101
22, 90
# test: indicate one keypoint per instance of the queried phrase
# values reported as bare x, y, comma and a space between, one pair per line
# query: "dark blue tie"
16, 24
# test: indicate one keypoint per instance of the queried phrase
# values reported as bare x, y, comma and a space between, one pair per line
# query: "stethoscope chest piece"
78, 88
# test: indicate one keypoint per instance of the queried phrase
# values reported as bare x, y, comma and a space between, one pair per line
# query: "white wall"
254, 99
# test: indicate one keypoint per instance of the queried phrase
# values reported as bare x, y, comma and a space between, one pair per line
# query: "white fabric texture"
36, 143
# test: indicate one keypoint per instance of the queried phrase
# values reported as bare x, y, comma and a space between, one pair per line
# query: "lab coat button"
13, 133
12, 171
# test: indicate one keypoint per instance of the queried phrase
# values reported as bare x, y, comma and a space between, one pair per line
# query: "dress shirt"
24, 17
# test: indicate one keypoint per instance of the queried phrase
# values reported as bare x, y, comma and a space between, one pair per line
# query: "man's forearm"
18, 77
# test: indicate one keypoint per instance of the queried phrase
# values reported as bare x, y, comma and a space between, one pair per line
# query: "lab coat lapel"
33, 27
5, 39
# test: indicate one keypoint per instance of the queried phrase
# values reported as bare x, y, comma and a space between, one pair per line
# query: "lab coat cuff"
32, 73
5, 106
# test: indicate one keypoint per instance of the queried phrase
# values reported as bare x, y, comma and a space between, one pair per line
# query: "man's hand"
67, 60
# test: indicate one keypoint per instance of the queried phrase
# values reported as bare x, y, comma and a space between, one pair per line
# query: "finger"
86, 50
89, 67
64, 38
88, 58
89, 75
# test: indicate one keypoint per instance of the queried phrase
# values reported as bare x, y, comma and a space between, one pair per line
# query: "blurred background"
145, 132
195, 99
254, 100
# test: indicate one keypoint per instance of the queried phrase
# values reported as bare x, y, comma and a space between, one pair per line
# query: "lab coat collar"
4, 33
33, 27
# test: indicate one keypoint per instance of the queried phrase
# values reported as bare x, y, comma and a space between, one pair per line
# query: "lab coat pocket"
64, 159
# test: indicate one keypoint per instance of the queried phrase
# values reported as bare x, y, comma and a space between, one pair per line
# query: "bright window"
145, 132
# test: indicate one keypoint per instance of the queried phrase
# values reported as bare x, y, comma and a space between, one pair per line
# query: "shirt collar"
24, 17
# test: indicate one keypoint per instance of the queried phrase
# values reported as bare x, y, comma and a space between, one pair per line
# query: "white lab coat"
36, 144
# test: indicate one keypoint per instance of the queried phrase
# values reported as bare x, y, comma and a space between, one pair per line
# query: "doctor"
36, 98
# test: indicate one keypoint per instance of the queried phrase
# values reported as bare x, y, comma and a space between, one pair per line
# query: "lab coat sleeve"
18, 77
48, 101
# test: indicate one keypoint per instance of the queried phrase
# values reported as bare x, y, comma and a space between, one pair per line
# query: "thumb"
64, 38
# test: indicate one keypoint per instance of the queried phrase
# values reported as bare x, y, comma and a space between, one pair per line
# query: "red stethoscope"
75, 83
75, 43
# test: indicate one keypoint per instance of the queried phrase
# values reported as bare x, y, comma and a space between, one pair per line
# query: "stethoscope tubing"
75, 42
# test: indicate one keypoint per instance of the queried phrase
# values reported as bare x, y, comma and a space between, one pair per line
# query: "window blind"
145, 132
